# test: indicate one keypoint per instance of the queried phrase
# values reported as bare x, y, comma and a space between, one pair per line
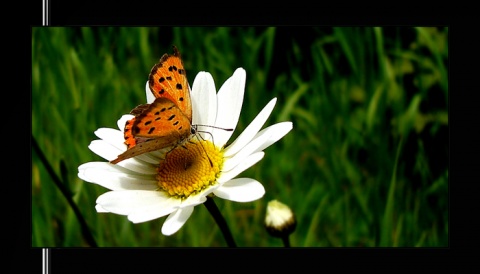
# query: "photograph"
240, 136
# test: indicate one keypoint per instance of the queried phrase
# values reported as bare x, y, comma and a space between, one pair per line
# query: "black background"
463, 120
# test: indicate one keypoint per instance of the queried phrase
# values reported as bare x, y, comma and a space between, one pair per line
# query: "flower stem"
286, 240
213, 209
61, 186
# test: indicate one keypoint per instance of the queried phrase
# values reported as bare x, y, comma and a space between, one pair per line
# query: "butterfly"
167, 121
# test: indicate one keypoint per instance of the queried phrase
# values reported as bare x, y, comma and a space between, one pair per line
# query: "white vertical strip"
45, 261
45, 13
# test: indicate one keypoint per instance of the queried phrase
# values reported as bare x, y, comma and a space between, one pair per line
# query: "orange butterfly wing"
168, 79
167, 121
161, 125
162, 119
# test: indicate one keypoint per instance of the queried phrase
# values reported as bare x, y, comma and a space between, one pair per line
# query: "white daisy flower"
156, 184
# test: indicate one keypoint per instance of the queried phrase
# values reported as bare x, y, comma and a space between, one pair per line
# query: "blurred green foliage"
365, 165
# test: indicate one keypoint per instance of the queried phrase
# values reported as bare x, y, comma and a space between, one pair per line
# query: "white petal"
241, 190
125, 202
204, 101
138, 166
144, 163
109, 152
176, 220
112, 136
230, 100
153, 157
123, 120
149, 93
278, 131
249, 149
104, 149
114, 177
252, 129
194, 200
155, 210
100, 209
245, 164
149, 157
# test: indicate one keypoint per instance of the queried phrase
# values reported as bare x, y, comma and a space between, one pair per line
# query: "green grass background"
366, 164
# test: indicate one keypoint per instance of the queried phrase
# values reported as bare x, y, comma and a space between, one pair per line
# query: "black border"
462, 115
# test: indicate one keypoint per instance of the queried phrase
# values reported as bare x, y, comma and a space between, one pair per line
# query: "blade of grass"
386, 235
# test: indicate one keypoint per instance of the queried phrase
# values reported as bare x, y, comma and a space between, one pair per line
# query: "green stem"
286, 240
213, 209
83, 224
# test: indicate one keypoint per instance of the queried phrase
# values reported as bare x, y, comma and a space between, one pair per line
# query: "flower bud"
280, 220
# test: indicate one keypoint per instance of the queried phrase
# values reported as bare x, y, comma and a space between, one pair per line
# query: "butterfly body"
167, 121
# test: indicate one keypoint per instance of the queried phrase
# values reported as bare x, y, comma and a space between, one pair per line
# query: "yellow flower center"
190, 168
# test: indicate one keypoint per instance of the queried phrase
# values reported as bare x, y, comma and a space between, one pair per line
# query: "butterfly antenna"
226, 129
